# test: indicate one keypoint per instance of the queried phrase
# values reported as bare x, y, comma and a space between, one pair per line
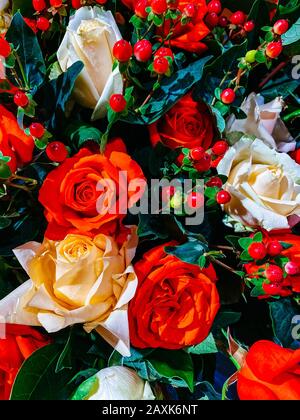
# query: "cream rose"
263, 121
90, 37
114, 383
77, 280
5, 18
264, 185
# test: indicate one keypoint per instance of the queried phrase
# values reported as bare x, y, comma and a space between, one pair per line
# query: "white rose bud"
114, 383
90, 37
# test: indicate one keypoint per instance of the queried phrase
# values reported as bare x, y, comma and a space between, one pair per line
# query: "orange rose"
270, 372
19, 344
188, 124
13, 141
72, 192
175, 303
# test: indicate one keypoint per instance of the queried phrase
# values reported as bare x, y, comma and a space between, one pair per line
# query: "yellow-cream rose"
263, 183
5, 18
90, 37
77, 280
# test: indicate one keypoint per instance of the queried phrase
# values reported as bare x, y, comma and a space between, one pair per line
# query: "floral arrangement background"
96, 304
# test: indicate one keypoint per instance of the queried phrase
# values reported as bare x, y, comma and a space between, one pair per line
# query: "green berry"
250, 56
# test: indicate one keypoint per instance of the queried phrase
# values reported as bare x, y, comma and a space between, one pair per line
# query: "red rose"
175, 303
270, 372
188, 124
13, 141
70, 193
19, 344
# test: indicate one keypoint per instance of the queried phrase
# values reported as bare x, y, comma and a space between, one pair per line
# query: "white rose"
263, 121
90, 37
114, 383
264, 185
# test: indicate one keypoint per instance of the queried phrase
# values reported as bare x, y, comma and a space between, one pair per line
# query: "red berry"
56, 3
42, 24
212, 20
160, 65
140, 9
5, 49
179, 159
220, 148
101, 1
20, 99
195, 200
117, 103
274, 273
291, 268
215, 182
38, 5
122, 51
37, 130
173, 4
190, 11
272, 289
223, 197
143, 50
257, 251
164, 52
238, 18
57, 151
214, 6
76, 4
281, 26
249, 26
223, 21
228, 96
197, 153
159, 6
274, 49
204, 163
216, 162
274, 248
167, 193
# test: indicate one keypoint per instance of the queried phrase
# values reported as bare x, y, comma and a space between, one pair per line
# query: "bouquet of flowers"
149, 199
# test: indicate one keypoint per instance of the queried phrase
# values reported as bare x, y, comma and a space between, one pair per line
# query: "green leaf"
245, 256
79, 133
257, 291
190, 252
261, 16
258, 237
221, 123
282, 313
224, 319
151, 225
5, 171
37, 379
24, 6
65, 358
292, 35
245, 242
260, 56
207, 346
28, 50
4, 222
233, 240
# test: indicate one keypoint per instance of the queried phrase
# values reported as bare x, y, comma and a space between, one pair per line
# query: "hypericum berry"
274, 49
257, 251
223, 197
38, 5
215, 182
274, 248
223, 21
164, 52
37, 130
173, 4
159, 6
214, 6
101, 1
21, 99
272, 289
56, 151
122, 51
251, 56
143, 50
177, 200
195, 200
161, 65
274, 273
5, 49
220, 148
238, 18
140, 9
167, 193
212, 20
190, 10
43, 24
197, 153
281, 26
228, 96
179, 159
204, 163
56, 3
117, 102
216, 162
76, 4
249, 26
291, 268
